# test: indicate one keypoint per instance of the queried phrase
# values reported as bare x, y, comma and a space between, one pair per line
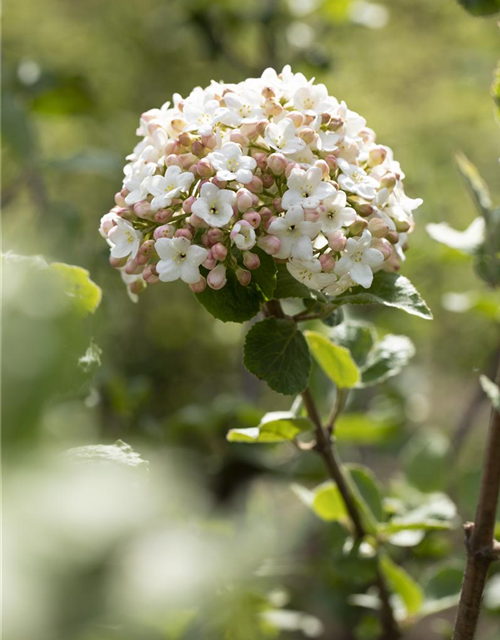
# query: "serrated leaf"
467, 241
336, 361
84, 293
362, 429
475, 183
391, 290
119, 453
481, 7
265, 275
402, 583
491, 390
359, 337
288, 287
386, 359
276, 352
277, 426
232, 303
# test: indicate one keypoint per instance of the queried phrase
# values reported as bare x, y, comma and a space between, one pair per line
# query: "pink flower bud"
244, 200
142, 209
251, 260
183, 233
388, 181
215, 235
184, 139
221, 184
364, 209
297, 118
239, 138
256, 185
200, 286
336, 241
393, 237
378, 228
265, 213
163, 215
204, 169
196, 222
272, 107
137, 286
268, 221
331, 161
325, 169
172, 160
268, 92
335, 123
307, 135
244, 277
277, 205
188, 203
327, 262
172, 148
358, 226
198, 149
376, 156
290, 167
311, 215
187, 160
117, 263
217, 277
120, 198
145, 252
150, 274
132, 267
384, 246
210, 261
209, 141
402, 225
261, 160
270, 244
277, 162
165, 231
253, 218
219, 251
267, 180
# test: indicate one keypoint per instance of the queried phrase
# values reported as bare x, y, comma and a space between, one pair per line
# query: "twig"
482, 548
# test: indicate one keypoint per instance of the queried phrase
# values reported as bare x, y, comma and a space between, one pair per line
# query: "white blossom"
281, 136
124, 240
295, 234
309, 273
214, 206
243, 236
166, 188
354, 179
336, 214
306, 188
179, 259
243, 108
231, 164
359, 259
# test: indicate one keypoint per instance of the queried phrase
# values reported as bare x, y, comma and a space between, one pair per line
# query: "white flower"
243, 235
339, 286
306, 188
281, 136
242, 108
129, 279
231, 164
309, 273
199, 112
313, 99
166, 188
179, 259
135, 175
108, 221
214, 206
359, 259
337, 214
124, 240
355, 180
295, 234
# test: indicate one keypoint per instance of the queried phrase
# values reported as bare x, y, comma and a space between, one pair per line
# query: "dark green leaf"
265, 275
335, 360
276, 351
277, 426
403, 584
442, 588
232, 303
386, 359
481, 7
391, 290
358, 337
369, 490
425, 460
288, 287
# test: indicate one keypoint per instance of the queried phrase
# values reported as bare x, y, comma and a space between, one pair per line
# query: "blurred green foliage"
76, 76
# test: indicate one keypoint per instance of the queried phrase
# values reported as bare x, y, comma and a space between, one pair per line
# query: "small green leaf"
362, 429
491, 390
481, 7
369, 490
118, 453
467, 241
232, 303
335, 360
477, 186
276, 351
327, 502
391, 290
84, 293
386, 359
442, 588
277, 426
288, 287
265, 276
359, 337
401, 524
403, 584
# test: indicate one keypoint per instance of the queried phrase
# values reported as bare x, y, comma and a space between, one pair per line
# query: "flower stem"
482, 549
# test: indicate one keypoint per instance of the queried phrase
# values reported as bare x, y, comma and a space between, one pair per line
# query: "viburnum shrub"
270, 196
271, 166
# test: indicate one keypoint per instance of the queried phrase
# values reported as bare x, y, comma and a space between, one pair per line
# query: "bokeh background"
87, 556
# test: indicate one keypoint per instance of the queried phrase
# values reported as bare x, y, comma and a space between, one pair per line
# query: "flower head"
179, 259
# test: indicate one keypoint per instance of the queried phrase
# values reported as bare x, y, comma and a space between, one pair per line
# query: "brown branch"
482, 548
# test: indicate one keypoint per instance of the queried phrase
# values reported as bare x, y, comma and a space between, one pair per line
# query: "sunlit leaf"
84, 293
277, 426
336, 361
401, 583
477, 186
118, 453
386, 359
363, 429
467, 241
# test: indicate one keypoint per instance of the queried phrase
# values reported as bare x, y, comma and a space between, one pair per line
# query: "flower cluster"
272, 164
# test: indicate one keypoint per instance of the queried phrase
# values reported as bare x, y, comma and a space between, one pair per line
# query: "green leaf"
481, 7
491, 390
335, 360
369, 491
401, 524
476, 185
442, 588
386, 359
362, 429
84, 293
288, 287
118, 453
327, 502
265, 275
359, 337
403, 584
391, 290
425, 460
232, 303
467, 241
277, 426
276, 351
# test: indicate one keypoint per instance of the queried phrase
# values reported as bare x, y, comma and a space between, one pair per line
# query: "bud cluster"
272, 164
